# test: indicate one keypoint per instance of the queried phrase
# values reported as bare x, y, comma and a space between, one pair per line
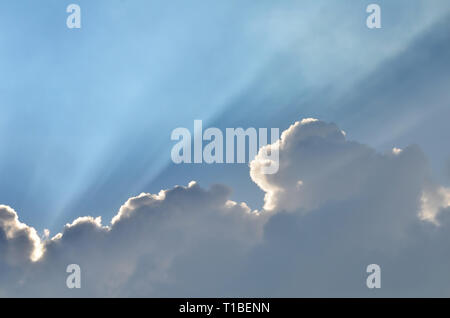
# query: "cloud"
434, 200
20, 243
345, 207
148, 229
19, 247
334, 207
318, 165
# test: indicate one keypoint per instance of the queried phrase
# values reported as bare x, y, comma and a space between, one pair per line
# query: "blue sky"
86, 114
86, 117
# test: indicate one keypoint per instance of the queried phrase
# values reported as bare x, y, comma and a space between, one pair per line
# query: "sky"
86, 117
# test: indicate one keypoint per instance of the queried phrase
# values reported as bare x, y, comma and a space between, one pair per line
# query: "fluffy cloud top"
334, 207
19, 243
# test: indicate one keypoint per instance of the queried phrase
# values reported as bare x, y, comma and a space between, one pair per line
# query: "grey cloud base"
334, 207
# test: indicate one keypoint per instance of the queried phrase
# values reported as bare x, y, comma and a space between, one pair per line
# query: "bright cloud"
334, 206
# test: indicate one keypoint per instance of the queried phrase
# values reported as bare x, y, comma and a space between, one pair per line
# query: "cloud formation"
334, 207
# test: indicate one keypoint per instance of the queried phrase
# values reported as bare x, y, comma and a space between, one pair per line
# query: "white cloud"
20, 242
434, 199
348, 206
154, 229
316, 156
